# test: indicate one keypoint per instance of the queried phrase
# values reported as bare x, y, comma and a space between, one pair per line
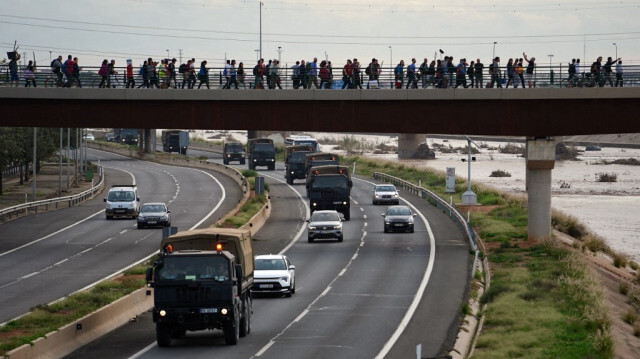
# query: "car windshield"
324, 217
121, 196
235, 148
398, 211
385, 189
192, 268
270, 264
153, 208
263, 147
297, 157
337, 181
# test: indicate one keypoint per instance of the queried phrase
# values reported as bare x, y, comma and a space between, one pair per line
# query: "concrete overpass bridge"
542, 115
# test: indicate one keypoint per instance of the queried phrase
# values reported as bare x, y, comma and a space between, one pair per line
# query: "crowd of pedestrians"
438, 73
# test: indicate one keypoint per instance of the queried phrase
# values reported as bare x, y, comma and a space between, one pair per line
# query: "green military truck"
233, 151
294, 162
261, 152
320, 159
202, 281
329, 187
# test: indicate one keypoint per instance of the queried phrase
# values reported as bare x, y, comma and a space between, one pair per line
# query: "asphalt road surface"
374, 294
47, 256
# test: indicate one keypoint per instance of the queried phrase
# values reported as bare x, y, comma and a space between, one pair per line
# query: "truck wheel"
242, 162
245, 321
225, 162
231, 329
289, 180
163, 335
347, 214
272, 166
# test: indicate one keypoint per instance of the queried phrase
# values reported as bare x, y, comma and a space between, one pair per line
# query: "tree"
9, 150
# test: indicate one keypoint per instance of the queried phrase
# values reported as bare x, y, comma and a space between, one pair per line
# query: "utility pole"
180, 53
280, 52
75, 159
261, 4
60, 167
35, 159
494, 50
168, 56
257, 55
68, 157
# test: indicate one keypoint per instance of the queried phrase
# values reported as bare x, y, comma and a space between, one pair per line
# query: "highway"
374, 294
46, 256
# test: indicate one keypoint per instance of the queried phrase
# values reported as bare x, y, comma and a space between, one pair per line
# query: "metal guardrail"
438, 202
544, 76
23, 209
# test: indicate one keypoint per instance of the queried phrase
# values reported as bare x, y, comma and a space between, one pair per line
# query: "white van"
122, 201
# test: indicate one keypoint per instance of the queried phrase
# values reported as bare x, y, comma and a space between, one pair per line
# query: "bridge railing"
544, 76
34, 206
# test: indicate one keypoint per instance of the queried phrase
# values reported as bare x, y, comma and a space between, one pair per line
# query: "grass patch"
250, 209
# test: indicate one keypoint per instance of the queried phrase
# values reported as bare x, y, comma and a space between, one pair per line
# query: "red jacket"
348, 70
129, 71
324, 73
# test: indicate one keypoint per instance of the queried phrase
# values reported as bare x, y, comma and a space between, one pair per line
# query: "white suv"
385, 193
122, 201
274, 273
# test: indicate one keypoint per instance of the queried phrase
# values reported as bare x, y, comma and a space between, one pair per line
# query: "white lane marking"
423, 284
144, 350
365, 224
301, 315
364, 216
62, 261
354, 201
326, 290
361, 209
307, 214
224, 195
342, 272
65, 228
28, 275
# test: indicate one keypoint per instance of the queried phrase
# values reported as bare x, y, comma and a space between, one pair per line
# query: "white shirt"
577, 68
618, 68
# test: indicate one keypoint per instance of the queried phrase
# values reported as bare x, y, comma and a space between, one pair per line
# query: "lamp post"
494, 50
469, 198
550, 57
261, 4
614, 44
391, 60
168, 54
279, 53
257, 55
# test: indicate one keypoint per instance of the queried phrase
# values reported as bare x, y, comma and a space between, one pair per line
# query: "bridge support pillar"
408, 143
541, 156
148, 145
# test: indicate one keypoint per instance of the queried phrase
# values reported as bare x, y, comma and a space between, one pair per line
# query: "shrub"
603, 343
636, 329
500, 173
512, 149
619, 260
630, 317
495, 290
606, 177
595, 244
623, 287
633, 265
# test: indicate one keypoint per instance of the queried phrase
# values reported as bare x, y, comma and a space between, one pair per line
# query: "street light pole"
279, 52
391, 60
261, 4
168, 54
494, 50
550, 57
614, 44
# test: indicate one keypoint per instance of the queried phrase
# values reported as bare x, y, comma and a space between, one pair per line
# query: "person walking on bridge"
607, 70
203, 75
13, 70
399, 74
411, 75
313, 74
347, 71
619, 80
29, 75
131, 82
104, 73
494, 71
478, 68
75, 73
530, 72
258, 73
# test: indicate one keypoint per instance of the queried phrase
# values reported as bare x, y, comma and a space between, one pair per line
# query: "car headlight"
395, 195
312, 227
386, 221
284, 278
254, 160
344, 203
108, 205
224, 311
163, 313
140, 218
410, 220
228, 155
377, 195
163, 218
271, 159
337, 227
314, 204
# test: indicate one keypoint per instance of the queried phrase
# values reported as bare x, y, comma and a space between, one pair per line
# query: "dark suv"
233, 151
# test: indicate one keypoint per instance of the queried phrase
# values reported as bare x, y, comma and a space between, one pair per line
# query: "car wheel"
293, 289
340, 238
109, 218
411, 230
140, 226
163, 335
310, 239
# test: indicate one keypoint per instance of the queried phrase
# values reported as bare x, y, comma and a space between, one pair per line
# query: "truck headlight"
224, 311
163, 313
344, 203
314, 204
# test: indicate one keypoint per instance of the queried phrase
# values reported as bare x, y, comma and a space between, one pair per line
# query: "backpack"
255, 70
368, 70
572, 68
54, 68
183, 68
141, 72
492, 68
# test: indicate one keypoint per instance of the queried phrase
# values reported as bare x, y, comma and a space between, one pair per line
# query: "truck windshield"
121, 196
128, 132
270, 264
235, 148
335, 181
312, 143
324, 163
263, 147
194, 268
297, 157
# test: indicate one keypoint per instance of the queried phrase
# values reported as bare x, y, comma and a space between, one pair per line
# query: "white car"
386, 193
273, 273
89, 137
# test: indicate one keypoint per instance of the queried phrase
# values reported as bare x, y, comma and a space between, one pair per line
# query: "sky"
388, 30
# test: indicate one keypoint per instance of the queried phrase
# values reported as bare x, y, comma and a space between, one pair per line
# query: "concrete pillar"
541, 156
408, 143
148, 145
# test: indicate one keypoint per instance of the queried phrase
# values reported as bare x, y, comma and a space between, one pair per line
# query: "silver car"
325, 224
385, 193
154, 214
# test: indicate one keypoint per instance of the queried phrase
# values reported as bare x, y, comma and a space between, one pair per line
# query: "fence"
438, 202
25, 208
544, 76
